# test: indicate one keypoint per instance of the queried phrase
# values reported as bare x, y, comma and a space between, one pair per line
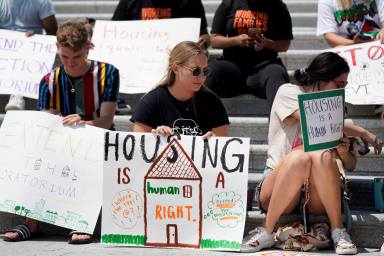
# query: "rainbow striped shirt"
100, 84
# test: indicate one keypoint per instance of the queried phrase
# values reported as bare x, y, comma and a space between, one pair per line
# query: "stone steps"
303, 16
210, 6
256, 128
298, 19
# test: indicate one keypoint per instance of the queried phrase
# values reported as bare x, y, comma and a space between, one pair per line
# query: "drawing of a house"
173, 200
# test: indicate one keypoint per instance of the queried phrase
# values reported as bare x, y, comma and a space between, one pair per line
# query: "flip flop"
23, 233
79, 241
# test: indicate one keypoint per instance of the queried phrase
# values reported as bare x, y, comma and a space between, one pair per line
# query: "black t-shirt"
161, 9
235, 17
193, 117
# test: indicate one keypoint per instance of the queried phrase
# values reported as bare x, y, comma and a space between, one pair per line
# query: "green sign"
322, 119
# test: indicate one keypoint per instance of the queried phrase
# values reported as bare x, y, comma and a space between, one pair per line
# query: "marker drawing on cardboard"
321, 119
186, 193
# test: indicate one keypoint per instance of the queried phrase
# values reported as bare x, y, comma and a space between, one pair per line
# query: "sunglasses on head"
196, 71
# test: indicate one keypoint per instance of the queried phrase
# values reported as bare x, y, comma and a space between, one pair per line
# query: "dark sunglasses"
196, 71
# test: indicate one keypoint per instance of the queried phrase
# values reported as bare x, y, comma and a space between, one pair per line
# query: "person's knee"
298, 163
328, 161
277, 74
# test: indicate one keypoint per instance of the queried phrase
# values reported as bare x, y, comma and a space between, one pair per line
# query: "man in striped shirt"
82, 92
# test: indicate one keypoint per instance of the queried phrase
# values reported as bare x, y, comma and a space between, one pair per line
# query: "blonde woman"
181, 104
348, 22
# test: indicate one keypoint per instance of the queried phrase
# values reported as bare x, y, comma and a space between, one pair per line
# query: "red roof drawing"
171, 165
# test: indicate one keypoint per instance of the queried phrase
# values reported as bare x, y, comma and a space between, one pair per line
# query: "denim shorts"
267, 171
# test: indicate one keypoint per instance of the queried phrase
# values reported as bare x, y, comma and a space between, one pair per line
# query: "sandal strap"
23, 230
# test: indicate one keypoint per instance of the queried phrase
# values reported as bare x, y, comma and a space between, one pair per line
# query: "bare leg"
325, 188
286, 184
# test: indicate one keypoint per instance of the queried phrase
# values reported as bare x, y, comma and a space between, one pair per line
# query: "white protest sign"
321, 119
139, 49
50, 172
188, 193
24, 61
366, 77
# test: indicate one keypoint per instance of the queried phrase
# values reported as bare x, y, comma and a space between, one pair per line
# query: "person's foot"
382, 250
258, 239
16, 102
26, 231
77, 237
122, 107
342, 241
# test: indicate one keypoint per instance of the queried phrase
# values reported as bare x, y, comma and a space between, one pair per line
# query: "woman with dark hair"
288, 167
181, 104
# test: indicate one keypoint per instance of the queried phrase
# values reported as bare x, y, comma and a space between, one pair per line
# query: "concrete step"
304, 38
293, 58
105, 6
298, 19
58, 246
256, 128
245, 105
302, 11
296, 59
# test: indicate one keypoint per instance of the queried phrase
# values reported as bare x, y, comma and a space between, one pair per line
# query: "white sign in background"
153, 196
366, 77
50, 172
24, 61
139, 49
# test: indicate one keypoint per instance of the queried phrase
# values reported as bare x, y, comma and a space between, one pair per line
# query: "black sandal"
79, 241
23, 233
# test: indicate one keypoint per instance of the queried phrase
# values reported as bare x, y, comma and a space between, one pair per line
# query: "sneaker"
342, 241
16, 102
382, 250
122, 107
258, 239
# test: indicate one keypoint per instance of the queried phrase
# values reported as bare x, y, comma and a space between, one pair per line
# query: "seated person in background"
288, 167
180, 103
82, 92
164, 9
122, 107
347, 22
251, 33
32, 17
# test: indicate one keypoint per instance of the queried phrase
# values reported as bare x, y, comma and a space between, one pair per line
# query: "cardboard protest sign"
186, 193
24, 61
50, 172
321, 119
366, 77
139, 48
